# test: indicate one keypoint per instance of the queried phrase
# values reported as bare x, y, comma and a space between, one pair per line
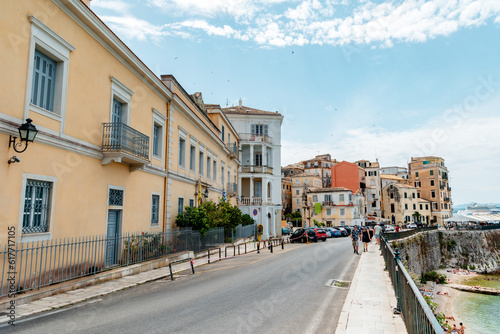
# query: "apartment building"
286, 195
373, 194
203, 164
259, 176
320, 165
334, 207
401, 172
98, 163
389, 179
402, 205
301, 184
348, 175
430, 176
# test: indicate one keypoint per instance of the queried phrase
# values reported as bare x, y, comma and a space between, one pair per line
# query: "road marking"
320, 312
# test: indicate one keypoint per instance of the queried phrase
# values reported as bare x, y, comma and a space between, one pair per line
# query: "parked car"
336, 232
302, 234
348, 229
320, 232
343, 231
328, 232
389, 228
412, 226
285, 231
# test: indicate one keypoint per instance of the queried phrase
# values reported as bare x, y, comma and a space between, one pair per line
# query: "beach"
448, 297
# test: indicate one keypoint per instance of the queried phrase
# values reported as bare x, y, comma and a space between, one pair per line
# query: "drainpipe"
165, 160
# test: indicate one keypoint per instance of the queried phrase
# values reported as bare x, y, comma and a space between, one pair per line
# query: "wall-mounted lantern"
205, 193
27, 133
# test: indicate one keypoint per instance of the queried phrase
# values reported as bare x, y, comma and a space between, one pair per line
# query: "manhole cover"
335, 283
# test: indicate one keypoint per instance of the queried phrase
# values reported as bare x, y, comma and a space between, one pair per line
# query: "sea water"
479, 313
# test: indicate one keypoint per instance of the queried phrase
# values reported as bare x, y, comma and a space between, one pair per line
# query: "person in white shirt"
378, 230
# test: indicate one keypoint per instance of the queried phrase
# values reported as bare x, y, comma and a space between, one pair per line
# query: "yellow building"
203, 154
300, 184
401, 205
118, 150
334, 207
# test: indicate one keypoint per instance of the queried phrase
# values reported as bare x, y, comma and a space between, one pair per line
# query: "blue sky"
359, 79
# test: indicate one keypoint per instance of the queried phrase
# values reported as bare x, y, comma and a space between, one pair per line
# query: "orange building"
348, 175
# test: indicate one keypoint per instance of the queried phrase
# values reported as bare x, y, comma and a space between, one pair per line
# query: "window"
115, 197
191, 202
414, 207
297, 192
416, 174
180, 205
44, 78
37, 201
209, 166
328, 198
223, 137
427, 207
328, 212
418, 195
192, 158
406, 206
341, 197
258, 189
342, 212
215, 170
392, 208
155, 203
406, 195
182, 152
222, 177
297, 201
258, 159
420, 206
315, 198
432, 172
297, 182
432, 182
200, 162
259, 129
48, 68
391, 195
413, 195
156, 139
433, 194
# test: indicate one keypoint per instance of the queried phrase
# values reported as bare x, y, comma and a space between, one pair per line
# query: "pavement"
368, 308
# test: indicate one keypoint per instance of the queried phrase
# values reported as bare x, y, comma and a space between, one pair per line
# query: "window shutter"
253, 129
266, 130
44, 78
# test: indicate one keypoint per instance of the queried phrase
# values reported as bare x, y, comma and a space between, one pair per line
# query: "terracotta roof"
247, 110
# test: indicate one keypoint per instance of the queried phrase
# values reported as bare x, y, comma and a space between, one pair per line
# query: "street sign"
255, 212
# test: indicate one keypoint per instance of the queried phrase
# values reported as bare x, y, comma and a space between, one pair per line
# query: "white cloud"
283, 23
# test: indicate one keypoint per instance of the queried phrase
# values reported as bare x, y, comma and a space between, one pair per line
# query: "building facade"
301, 184
320, 165
402, 206
430, 176
334, 207
373, 195
259, 176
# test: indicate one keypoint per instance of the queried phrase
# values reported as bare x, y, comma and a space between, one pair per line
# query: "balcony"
256, 169
327, 203
446, 199
441, 186
232, 189
233, 150
259, 138
254, 201
123, 144
449, 188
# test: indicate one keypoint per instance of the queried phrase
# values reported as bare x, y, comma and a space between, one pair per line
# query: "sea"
479, 313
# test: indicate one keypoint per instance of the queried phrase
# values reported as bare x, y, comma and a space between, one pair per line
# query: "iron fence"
42, 263
417, 315
404, 234
240, 232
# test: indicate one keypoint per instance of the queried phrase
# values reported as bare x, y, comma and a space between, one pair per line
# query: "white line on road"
320, 312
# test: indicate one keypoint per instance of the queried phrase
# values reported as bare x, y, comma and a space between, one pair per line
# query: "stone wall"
474, 250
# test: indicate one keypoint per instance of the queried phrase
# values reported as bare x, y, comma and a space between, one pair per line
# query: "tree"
194, 217
246, 220
416, 216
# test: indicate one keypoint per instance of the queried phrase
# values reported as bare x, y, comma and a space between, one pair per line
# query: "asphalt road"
282, 292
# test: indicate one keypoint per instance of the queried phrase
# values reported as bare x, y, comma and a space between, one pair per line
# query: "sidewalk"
81, 294
371, 299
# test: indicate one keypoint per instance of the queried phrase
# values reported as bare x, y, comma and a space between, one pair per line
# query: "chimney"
240, 102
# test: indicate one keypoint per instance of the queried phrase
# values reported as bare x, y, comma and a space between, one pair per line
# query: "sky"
358, 79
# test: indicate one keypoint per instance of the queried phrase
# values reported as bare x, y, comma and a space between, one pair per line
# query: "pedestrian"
354, 238
370, 229
378, 230
365, 238
454, 329
462, 328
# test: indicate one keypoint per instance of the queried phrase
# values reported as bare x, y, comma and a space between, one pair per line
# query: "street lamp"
306, 207
27, 133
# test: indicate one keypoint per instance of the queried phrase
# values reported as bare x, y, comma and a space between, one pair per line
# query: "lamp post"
27, 134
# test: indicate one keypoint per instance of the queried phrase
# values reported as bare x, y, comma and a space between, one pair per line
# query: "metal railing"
255, 137
42, 263
256, 169
403, 234
232, 188
241, 232
121, 137
233, 149
417, 315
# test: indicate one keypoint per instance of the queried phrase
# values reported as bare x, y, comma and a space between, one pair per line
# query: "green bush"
434, 277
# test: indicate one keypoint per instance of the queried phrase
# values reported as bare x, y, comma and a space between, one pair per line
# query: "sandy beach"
445, 301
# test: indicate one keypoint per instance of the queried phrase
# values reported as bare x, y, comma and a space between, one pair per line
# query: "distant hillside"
460, 207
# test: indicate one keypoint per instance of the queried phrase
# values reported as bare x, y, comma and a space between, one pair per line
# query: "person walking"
378, 230
365, 238
462, 328
354, 238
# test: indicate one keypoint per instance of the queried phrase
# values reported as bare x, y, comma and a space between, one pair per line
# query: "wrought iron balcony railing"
121, 137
